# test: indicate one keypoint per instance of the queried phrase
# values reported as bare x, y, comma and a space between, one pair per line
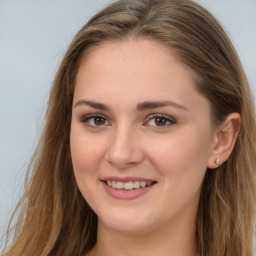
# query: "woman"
149, 141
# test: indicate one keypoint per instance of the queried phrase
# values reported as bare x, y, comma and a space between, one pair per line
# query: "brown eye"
95, 121
99, 120
160, 121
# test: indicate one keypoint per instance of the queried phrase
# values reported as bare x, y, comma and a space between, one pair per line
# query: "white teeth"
143, 184
129, 185
136, 184
113, 184
119, 185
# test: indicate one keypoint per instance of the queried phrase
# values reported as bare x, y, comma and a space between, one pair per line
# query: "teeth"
129, 185
119, 185
143, 184
136, 184
113, 184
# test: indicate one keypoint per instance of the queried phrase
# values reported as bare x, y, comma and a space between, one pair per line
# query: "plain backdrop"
34, 35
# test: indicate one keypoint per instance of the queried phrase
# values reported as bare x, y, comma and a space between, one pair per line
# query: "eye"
160, 120
95, 120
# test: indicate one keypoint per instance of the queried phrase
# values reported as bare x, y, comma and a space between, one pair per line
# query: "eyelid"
158, 115
85, 119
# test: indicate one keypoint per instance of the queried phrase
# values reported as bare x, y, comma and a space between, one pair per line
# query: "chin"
130, 223
128, 228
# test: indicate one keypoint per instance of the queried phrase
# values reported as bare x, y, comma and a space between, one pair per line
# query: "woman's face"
141, 136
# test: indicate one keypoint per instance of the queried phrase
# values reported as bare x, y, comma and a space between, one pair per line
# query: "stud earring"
217, 161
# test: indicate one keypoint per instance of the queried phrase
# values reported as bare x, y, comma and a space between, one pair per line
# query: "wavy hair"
56, 220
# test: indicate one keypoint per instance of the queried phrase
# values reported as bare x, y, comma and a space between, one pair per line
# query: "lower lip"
127, 194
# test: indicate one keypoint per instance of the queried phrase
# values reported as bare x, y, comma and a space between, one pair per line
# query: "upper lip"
125, 179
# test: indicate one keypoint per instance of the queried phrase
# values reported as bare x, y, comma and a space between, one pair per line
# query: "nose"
124, 149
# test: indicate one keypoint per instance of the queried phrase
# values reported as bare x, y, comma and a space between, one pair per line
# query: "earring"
217, 161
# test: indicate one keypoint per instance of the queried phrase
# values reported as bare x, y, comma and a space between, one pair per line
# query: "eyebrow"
157, 104
140, 107
92, 104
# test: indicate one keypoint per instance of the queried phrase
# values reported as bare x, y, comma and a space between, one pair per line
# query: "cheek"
182, 158
85, 159
85, 156
85, 149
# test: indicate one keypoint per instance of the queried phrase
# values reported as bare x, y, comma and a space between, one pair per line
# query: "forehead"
136, 70
129, 48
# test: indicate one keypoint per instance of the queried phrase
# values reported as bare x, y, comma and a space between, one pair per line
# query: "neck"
177, 241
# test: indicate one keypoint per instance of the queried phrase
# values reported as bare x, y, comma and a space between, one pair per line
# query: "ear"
224, 140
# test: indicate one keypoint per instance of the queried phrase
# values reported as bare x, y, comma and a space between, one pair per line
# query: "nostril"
124, 150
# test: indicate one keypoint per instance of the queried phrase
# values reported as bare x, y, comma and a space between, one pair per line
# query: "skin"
128, 141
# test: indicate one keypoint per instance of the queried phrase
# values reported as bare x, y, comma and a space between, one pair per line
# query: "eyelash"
166, 118
86, 119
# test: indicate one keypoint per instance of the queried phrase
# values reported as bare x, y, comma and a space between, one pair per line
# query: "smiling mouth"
128, 185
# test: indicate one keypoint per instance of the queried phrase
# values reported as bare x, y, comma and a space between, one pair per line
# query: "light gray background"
34, 35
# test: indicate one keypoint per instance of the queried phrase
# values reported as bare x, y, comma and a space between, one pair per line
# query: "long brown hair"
56, 220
